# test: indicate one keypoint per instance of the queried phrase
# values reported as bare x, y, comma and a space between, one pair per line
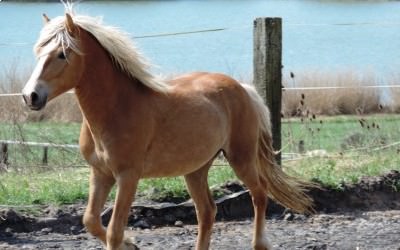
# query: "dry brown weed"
320, 102
331, 101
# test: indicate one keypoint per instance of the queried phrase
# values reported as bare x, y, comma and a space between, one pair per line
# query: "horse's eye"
61, 55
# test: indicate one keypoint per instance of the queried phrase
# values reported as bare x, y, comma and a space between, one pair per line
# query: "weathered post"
4, 153
45, 156
268, 71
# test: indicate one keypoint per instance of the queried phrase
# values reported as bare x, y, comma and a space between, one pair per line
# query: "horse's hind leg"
246, 171
205, 207
100, 185
259, 197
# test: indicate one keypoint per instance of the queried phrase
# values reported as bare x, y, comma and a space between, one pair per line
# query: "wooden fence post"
4, 153
268, 71
45, 155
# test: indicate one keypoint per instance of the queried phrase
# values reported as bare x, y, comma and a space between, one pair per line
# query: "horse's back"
218, 89
203, 82
231, 97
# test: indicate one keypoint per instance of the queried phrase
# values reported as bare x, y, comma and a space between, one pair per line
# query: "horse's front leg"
126, 183
100, 186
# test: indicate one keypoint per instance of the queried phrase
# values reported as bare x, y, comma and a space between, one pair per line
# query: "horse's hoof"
127, 244
263, 245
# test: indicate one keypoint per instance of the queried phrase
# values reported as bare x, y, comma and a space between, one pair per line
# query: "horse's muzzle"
35, 95
35, 101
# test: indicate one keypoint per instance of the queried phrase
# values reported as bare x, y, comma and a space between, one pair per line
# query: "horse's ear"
46, 19
69, 24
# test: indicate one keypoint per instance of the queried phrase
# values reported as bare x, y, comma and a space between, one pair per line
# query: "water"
323, 35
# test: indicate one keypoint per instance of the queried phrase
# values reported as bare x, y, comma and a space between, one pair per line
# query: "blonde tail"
284, 189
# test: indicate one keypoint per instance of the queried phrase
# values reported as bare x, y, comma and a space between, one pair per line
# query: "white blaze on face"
34, 80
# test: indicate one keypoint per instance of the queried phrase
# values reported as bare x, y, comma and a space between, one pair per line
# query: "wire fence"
304, 136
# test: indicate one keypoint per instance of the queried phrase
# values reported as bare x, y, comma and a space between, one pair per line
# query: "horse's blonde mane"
118, 44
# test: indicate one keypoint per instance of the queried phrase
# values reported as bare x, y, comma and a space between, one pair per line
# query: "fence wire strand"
180, 33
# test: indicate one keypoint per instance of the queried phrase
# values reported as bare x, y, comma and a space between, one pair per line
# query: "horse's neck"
102, 91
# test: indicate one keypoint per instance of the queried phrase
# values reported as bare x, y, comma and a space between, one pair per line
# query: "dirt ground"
365, 215
367, 230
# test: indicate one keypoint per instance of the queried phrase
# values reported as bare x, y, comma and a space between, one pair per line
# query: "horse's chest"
96, 154
98, 158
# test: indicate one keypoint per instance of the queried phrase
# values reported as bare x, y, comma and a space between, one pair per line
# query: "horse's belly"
179, 158
172, 169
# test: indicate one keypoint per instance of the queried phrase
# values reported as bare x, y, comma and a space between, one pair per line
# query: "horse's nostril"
34, 98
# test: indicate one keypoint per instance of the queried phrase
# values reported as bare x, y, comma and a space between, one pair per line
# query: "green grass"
335, 132
346, 159
352, 150
28, 156
335, 170
57, 187
69, 185
62, 133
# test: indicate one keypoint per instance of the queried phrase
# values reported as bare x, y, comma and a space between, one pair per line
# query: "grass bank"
69, 185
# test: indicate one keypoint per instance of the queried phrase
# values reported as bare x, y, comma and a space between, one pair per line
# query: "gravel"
363, 230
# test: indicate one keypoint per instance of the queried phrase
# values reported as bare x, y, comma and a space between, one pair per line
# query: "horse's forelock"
56, 31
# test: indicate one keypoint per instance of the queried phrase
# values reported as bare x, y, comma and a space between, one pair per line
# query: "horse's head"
59, 65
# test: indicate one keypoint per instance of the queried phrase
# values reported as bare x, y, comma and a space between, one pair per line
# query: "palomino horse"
137, 126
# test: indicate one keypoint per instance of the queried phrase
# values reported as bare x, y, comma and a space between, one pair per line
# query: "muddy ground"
365, 215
